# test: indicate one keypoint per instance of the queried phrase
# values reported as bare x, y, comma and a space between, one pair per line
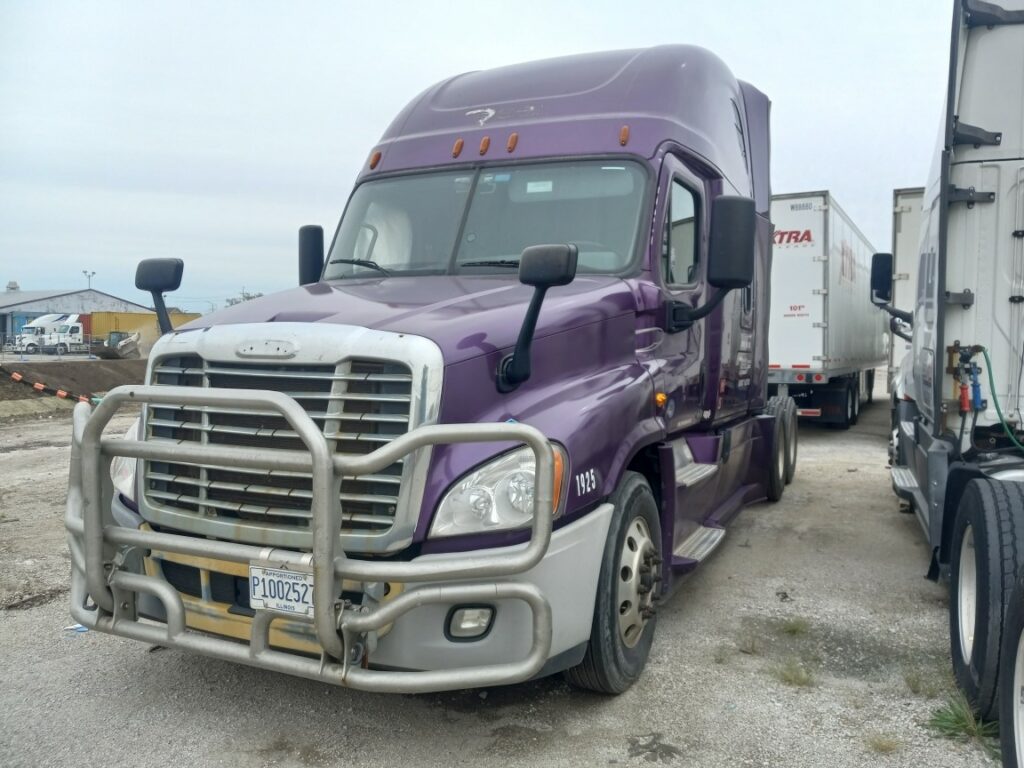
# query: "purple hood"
465, 316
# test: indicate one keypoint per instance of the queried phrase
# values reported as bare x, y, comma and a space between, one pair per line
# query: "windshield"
473, 222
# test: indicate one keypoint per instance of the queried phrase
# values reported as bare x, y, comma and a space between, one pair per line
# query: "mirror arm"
162, 318
894, 327
904, 317
514, 368
682, 316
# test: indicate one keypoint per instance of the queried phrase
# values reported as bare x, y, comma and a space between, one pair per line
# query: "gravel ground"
829, 580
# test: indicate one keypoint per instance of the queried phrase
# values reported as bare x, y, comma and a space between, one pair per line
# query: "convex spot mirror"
545, 266
159, 275
732, 241
881, 278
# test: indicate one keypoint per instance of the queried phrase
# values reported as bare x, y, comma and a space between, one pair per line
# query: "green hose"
995, 401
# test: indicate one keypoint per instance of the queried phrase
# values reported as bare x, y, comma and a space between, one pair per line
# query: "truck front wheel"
1011, 681
628, 584
986, 555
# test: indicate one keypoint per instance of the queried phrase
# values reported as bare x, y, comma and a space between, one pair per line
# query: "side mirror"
732, 242
543, 267
311, 254
881, 278
159, 276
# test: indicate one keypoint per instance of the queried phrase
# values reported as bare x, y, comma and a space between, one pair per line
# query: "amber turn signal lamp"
485, 144
559, 467
457, 147
374, 159
624, 135
660, 398
513, 139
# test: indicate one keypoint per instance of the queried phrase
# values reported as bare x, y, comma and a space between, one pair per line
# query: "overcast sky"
212, 131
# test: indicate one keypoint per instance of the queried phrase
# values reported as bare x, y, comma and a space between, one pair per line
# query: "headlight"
495, 497
122, 468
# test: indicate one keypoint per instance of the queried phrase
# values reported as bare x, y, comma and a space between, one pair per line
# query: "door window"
680, 246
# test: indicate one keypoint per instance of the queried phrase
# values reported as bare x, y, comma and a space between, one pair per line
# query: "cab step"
904, 483
699, 544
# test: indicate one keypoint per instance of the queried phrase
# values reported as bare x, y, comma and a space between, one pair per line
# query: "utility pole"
88, 276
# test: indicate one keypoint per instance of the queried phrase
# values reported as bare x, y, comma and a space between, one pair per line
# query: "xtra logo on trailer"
792, 236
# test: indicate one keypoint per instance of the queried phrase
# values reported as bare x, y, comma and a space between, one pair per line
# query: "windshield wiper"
361, 263
512, 263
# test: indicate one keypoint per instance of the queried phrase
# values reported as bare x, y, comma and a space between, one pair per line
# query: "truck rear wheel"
855, 389
777, 457
986, 556
627, 587
846, 417
792, 438
870, 384
1011, 681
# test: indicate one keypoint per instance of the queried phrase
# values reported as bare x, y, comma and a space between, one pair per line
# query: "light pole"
88, 276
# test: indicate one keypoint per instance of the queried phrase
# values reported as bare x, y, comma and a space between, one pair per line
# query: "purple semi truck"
516, 402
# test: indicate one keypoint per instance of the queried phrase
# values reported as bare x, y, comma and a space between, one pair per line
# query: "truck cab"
514, 401
958, 457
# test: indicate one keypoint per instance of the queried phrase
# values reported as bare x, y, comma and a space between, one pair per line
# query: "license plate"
279, 590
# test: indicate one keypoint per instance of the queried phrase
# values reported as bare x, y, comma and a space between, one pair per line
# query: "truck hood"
464, 316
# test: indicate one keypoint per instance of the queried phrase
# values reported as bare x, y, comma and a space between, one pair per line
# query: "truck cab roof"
628, 101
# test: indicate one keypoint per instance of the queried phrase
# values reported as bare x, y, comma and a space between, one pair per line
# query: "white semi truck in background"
958, 444
35, 334
906, 236
824, 338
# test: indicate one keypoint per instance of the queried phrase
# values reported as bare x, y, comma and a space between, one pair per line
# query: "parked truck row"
106, 334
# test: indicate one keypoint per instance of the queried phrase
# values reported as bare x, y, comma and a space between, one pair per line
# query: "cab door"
680, 247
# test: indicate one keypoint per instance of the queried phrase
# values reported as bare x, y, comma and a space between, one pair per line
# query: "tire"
792, 443
985, 558
615, 657
777, 464
32, 349
871, 385
1011, 680
62, 349
846, 420
855, 388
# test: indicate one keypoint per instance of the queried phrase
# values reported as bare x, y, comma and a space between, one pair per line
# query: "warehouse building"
18, 307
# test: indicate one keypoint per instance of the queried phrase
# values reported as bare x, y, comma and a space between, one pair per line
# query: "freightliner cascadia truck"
958, 453
519, 398
825, 338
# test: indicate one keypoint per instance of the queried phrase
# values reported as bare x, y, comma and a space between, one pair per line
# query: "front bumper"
107, 561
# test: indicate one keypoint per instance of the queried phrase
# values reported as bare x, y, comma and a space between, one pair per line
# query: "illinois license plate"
279, 590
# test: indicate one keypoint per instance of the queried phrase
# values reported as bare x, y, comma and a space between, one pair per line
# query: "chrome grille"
359, 405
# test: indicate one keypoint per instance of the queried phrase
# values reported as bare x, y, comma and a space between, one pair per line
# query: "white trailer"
906, 236
823, 345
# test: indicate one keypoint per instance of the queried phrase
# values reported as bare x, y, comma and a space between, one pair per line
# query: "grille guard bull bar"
99, 551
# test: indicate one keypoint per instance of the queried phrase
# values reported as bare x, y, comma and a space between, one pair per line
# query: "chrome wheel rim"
967, 594
637, 577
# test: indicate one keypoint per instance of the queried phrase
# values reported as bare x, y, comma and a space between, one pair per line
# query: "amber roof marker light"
513, 139
375, 159
623, 135
457, 147
485, 144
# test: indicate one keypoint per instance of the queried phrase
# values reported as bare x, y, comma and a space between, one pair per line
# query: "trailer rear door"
796, 336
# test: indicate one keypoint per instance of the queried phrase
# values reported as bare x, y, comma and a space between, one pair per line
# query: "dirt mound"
80, 377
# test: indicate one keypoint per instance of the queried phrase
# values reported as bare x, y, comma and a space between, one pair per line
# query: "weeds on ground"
793, 672
795, 626
882, 744
920, 683
749, 643
956, 720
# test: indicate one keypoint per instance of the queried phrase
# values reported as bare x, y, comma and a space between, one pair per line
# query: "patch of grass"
956, 720
749, 643
882, 744
921, 683
795, 626
793, 672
